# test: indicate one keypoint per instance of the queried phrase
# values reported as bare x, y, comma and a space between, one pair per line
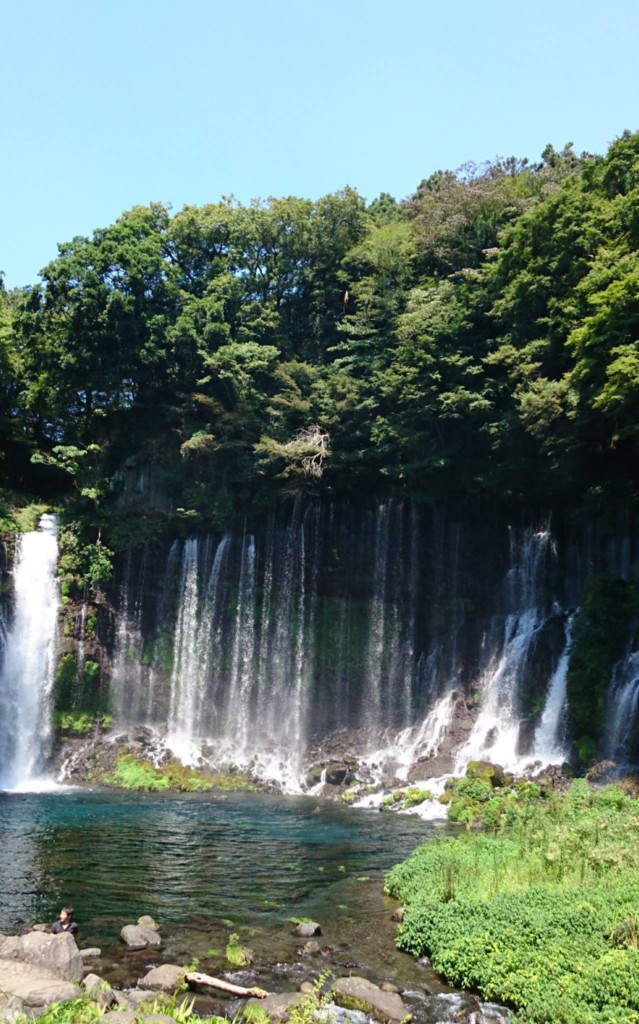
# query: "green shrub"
542, 916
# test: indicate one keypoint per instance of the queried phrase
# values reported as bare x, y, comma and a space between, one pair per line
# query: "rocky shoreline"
352, 766
38, 970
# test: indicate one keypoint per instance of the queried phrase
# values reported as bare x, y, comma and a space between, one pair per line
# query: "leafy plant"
541, 916
236, 954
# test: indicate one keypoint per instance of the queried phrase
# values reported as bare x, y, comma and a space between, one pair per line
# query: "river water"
205, 867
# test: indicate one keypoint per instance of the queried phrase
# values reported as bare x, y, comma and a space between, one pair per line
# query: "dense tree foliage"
479, 340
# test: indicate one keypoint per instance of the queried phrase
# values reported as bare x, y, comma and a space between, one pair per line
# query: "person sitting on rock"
65, 923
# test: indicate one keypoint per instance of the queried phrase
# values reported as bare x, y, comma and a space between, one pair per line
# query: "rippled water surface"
199, 865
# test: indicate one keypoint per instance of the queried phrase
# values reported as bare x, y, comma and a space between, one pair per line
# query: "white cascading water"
549, 744
182, 727
495, 734
27, 671
623, 705
239, 719
260, 649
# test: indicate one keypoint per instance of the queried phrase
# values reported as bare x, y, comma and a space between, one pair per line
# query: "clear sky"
113, 103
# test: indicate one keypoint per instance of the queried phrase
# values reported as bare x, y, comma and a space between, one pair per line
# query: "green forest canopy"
476, 342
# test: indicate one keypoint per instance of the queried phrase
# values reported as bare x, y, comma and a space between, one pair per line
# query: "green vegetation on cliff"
541, 914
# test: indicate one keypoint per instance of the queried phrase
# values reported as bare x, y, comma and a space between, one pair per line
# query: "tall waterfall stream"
28, 659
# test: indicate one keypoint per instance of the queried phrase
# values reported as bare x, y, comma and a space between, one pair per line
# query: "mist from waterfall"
28, 659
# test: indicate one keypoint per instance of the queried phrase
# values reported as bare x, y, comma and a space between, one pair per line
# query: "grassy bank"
541, 912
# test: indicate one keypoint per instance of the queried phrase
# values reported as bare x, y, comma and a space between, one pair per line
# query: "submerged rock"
307, 929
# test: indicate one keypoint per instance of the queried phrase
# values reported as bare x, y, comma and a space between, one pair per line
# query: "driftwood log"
195, 978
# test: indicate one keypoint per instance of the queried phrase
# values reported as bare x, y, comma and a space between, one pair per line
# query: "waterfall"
238, 723
550, 736
495, 735
390, 657
185, 678
129, 670
27, 669
372, 626
623, 706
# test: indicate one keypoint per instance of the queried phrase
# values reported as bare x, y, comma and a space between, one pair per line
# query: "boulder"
307, 929
431, 768
167, 978
57, 953
90, 953
361, 994
312, 946
146, 921
137, 936
138, 995
34, 985
340, 774
100, 990
10, 1008
124, 1002
487, 771
277, 1007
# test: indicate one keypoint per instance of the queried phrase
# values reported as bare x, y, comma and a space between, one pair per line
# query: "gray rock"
57, 953
398, 915
138, 995
306, 929
124, 1002
146, 921
10, 1008
278, 1006
11, 948
41, 928
34, 985
389, 987
100, 990
138, 937
167, 977
307, 987
312, 946
361, 994
90, 953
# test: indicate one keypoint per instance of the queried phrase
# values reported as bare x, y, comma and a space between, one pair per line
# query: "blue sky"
129, 101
